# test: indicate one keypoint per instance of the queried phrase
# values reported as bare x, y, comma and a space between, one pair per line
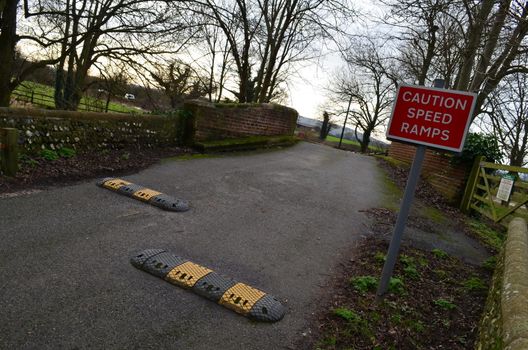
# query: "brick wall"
446, 178
223, 121
87, 131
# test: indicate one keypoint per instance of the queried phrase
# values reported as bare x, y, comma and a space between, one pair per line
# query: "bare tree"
210, 57
74, 34
472, 45
419, 33
8, 11
10, 75
113, 82
368, 87
506, 117
326, 126
180, 82
265, 37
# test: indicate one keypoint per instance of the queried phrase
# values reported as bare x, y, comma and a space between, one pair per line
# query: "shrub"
49, 154
490, 263
347, 314
380, 257
478, 144
364, 284
439, 253
396, 285
407, 260
411, 272
474, 284
416, 326
66, 152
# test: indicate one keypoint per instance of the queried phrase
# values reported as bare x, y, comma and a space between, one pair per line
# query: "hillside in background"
335, 131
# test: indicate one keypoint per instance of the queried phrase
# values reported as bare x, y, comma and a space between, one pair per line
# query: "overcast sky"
307, 90
306, 93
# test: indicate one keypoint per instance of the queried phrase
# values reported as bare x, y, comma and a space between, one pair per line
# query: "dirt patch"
39, 172
435, 302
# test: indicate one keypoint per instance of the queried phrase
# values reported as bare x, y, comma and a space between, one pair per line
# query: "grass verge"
434, 302
43, 97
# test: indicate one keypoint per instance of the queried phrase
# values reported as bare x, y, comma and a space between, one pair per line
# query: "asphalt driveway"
276, 220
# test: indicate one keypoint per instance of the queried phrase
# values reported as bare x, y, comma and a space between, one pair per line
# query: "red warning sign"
432, 117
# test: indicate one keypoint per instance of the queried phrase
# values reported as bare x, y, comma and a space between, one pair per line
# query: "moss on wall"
490, 329
504, 324
85, 131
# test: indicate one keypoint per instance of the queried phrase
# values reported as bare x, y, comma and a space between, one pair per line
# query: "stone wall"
514, 293
84, 131
505, 322
222, 121
447, 178
199, 121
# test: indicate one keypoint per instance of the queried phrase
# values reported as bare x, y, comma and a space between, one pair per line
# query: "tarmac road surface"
279, 221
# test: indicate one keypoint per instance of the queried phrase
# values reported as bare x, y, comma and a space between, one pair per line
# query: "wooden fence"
48, 101
488, 191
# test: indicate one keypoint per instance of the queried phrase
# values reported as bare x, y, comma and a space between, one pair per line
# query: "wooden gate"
482, 188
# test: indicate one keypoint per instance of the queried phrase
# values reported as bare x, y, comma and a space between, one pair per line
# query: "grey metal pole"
344, 124
394, 247
395, 243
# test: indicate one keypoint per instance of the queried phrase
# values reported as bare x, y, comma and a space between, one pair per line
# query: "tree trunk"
431, 45
325, 128
365, 141
7, 49
107, 101
474, 36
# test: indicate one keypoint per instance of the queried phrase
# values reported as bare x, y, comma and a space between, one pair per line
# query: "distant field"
331, 138
42, 95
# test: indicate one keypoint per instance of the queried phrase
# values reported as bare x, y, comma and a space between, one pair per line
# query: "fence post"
471, 184
9, 151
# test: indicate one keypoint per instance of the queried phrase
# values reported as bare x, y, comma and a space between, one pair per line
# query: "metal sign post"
395, 243
406, 114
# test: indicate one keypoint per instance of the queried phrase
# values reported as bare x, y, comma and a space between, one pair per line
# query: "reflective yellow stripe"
187, 274
241, 298
145, 194
115, 184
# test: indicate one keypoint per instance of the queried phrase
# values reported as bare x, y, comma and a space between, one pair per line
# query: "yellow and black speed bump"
236, 296
144, 194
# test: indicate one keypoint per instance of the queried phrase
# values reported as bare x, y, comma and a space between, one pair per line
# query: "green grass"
487, 235
439, 253
331, 138
43, 94
43, 97
250, 142
380, 257
434, 214
346, 314
411, 272
396, 285
52, 155
490, 263
475, 284
334, 139
364, 284
444, 304
391, 194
